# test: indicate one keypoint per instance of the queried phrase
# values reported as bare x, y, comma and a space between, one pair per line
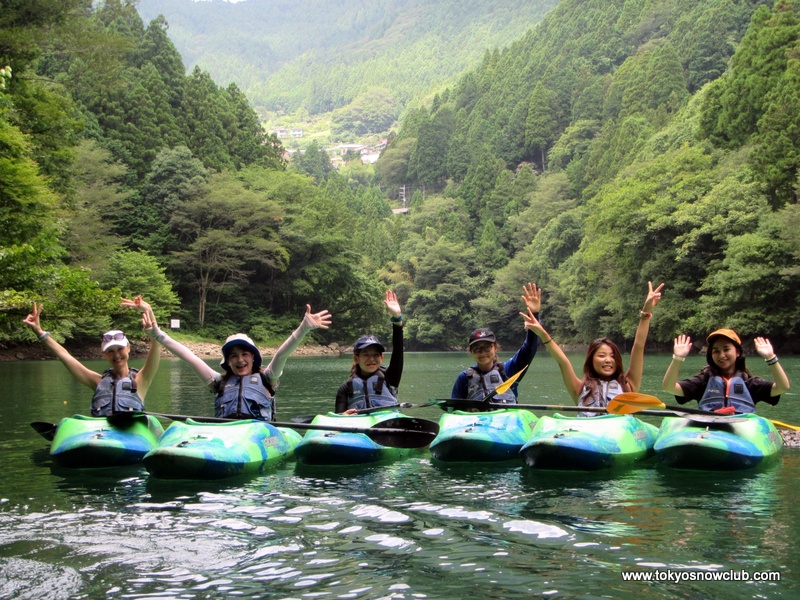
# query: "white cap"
114, 339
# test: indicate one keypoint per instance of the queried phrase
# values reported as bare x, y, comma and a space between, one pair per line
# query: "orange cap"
728, 333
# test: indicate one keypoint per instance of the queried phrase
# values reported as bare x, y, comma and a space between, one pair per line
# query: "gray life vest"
732, 392
116, 395
479, 385
248, 397
370, 392
605, 392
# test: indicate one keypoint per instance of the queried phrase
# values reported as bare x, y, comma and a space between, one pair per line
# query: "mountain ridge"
290, 56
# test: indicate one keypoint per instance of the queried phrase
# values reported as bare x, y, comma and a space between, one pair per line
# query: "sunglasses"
107, 337
477, 349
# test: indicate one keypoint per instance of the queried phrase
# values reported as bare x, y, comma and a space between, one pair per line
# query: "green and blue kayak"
348, 448
717, 442
588, 443
482, 436
85, 442
192, 450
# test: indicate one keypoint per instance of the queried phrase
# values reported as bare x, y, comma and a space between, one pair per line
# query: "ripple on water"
24, 579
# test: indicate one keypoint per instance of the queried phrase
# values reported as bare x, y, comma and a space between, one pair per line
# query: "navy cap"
481, 335
367, 340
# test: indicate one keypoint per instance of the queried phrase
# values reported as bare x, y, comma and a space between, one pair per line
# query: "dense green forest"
619, 141
316, 56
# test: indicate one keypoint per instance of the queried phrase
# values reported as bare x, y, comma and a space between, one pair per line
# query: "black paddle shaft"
403, 432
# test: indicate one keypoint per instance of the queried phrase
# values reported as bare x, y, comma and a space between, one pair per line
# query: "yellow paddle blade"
785, 425
628, 403
506, 385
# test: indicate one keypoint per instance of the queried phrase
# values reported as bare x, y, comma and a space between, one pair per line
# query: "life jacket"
370, 392
605, 392
721, 392
479, 385
116, 395
248, 397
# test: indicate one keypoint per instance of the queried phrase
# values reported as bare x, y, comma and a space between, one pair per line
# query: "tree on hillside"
373, 112
37, 132
251, 144
314, 162
737, 100
223, 236
776, 156
99, 212
444, 283
543, 124
428, 161
131, 273
176, 178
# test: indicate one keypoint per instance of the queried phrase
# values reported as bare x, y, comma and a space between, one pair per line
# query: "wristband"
548, 341
678, 358
645, 315
46, 334
397, 320
161, 337
771, 361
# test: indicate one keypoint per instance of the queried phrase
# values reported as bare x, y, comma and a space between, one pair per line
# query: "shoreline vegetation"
210, 350
139, 348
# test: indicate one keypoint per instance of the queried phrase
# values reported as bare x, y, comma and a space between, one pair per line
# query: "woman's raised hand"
682, 347
138, 303
32, 320
149, 324
653, 297
392, 304
320, 320
533, 324
532, 296
764, 347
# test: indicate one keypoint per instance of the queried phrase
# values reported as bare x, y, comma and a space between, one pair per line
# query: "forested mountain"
120, 174
320, 55
619, 141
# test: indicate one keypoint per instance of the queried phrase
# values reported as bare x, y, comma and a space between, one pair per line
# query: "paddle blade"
785, 425
46, 430
628, 403
403, 432
506, 385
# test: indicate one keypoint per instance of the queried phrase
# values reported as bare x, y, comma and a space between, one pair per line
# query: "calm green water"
411, 529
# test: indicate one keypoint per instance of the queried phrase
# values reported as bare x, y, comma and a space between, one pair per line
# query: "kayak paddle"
363, 411
592, 409
632, 402
46, 430
403, 432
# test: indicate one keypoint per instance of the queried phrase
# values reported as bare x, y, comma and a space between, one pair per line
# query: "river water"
410, 529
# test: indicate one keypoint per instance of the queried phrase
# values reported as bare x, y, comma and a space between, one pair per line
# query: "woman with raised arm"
119, 388
725, 380
371, 384
488, 373
243, 390
604, 376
